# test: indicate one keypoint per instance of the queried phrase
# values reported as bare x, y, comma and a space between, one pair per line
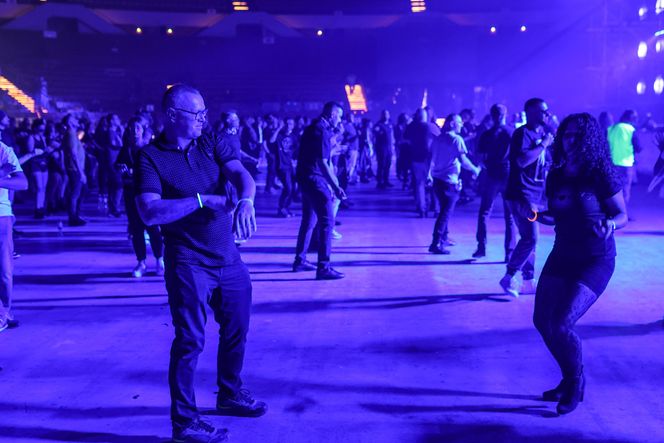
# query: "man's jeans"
6, 261
317, 208
447, 195
490, 187
523, 256
227, 290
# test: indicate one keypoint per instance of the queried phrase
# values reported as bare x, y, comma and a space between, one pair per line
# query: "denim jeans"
286, 197
6, 261
447, 195
317, 210
523, 256
419, 171
227, 291
490, 187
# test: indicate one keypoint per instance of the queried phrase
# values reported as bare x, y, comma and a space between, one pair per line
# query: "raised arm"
244, 219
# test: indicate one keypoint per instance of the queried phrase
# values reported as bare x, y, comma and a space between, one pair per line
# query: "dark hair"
171, 95
532, 102
628, 116
448, 121
498, 111
65, 120
37, 123
329, 106
593, 146
129, 132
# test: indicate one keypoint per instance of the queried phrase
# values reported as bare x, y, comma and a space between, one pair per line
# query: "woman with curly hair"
586, 205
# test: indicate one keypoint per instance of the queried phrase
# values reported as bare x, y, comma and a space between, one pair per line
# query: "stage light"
523, 28
169, 31
319, 33
640, 88
418, 5
659, 6
493, 30
357, 101
659, 46
658, 86
240, 6
643, 50
642, 12
139, 30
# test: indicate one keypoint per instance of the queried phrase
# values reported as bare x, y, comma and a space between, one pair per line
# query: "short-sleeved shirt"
620, 138
287, 146
351, 138
446, 150
383, 135
494, 144
577, 203
419, 136
525, 183
7, 156
315, 145
204, 237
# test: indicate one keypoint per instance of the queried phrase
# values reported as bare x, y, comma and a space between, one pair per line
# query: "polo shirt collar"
167, 145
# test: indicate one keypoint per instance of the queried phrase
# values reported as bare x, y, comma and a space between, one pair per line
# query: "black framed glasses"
200, 116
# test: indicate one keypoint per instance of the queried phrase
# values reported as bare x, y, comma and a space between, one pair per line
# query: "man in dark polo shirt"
320, 187
494, 149
180, 181
525, 191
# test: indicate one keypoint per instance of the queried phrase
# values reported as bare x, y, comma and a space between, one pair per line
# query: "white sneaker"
139, 270
528, 286
4, 322
336, 235
160, 266
510, 285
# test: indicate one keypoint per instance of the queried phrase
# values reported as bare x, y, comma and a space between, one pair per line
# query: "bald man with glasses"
180, 184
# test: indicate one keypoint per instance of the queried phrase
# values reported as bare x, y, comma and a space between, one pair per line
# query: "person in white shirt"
448, 156
11, 177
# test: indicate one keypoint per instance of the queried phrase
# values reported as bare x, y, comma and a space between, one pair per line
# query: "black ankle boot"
572, 394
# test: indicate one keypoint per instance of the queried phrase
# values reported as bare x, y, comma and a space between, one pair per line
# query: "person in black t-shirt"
525, 189
586, 205
287, 145
272, 131
418, 136
180, 185
494, 147
320, 187
132, 142
384, 146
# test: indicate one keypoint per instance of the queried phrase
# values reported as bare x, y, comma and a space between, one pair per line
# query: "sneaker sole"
514, 293
233, 413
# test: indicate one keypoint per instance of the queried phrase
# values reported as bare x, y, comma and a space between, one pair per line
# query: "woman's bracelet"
200, 200
246, 199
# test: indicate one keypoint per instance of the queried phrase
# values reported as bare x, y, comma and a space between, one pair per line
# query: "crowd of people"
190, 186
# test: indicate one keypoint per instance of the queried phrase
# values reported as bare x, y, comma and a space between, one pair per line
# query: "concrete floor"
410, 347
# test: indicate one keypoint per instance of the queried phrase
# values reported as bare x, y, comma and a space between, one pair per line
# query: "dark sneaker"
438, 250
303, 265
481, 252
77, 222
329, 274
242, 405
200, 431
